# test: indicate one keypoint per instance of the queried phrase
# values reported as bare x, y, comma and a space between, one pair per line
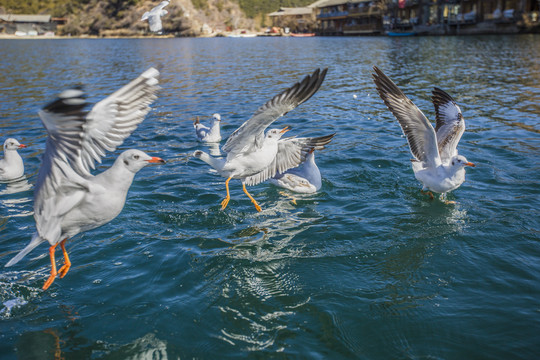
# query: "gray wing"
114, 118
416, 127
291, 153
450, 124
55, 194
251, 133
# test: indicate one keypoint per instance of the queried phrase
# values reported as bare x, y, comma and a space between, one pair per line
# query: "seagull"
436, 162
305, 179
207, 134
252, 155
68, 199
154, 17
11, 166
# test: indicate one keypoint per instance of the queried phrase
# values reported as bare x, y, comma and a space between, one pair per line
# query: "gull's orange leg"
225, 201
50, 280
428, 193
251, 197
67, 264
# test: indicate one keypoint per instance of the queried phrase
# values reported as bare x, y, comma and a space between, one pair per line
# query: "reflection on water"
16, 186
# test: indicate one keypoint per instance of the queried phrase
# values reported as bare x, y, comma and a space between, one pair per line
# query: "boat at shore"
302, 35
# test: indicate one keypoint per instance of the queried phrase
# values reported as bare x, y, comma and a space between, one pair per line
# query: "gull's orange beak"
285, 129
470, 164
156, 160
22, 146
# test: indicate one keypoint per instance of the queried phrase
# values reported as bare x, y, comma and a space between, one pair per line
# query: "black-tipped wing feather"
251, 133
416, 127
450, 124
291, 153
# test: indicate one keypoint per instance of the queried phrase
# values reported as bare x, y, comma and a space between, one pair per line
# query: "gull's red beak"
22, 146
470, 164
285, 129
156, 160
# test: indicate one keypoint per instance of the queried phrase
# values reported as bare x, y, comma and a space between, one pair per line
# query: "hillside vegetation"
121, 17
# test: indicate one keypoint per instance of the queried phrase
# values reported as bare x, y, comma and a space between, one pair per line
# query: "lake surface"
367, 268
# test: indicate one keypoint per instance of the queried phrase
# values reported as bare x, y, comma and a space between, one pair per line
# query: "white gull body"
436, 162
11, 166
207, 134
68, 199
305, 179
252, 155
154, 17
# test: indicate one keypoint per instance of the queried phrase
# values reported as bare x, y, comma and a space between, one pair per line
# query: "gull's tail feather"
36, 240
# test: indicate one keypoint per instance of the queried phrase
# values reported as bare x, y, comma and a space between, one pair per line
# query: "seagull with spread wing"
304, 179
68, 199
154, 16
11, 166
252, 155
436, 162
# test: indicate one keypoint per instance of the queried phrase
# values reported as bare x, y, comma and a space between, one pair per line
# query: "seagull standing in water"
207, 134
11, 166
436, 162
68, 199
252, 155
154, 17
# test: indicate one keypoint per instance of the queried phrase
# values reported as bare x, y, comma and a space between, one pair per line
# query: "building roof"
325, 3
26, 18
292, 11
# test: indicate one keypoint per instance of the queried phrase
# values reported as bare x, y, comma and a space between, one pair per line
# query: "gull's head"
135, 160
216, 117
12, 144
276, 134
461, 161
198, 154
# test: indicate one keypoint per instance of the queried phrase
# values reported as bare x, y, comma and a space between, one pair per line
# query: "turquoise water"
367, 268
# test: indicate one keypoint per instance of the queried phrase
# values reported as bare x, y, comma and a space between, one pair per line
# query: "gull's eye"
136, 157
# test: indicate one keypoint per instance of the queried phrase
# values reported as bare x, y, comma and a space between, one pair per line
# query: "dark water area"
367, 268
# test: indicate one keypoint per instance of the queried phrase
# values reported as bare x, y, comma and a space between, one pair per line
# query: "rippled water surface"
367, 268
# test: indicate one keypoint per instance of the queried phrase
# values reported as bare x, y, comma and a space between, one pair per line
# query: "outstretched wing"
416, 127
450, 124
250, 134
291, 153
114, 118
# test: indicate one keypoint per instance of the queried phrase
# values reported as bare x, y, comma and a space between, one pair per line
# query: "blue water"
367, 268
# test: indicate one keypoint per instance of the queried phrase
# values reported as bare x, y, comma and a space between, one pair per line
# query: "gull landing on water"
207, 134
436, 162
68, 199
305, 179
252, 155
11, 166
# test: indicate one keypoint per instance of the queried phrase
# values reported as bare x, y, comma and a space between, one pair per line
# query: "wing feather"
450, 124
250, 134
416, 127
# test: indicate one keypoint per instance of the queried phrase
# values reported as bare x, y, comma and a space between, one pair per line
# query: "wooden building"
349, 17
297, 20
26, 24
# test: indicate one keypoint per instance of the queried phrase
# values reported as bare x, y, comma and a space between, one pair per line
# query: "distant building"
26, 24
349, 17
301, 19
462, 16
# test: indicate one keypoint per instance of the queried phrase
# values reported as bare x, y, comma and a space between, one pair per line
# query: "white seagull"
68, 199
305, 179
207, 134
436, 162
254, 157
154, 17
11, 166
